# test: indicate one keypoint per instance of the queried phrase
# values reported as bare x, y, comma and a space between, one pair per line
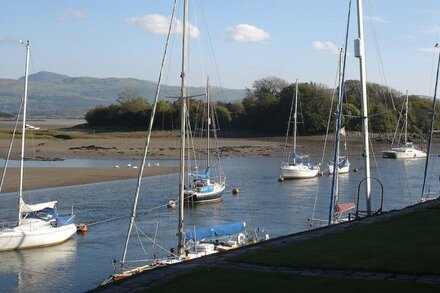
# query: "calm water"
280, 208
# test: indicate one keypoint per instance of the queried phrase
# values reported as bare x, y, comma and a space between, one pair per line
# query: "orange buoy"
280, 179
81, 228
171, 204
320, 173
235, 191
355, 170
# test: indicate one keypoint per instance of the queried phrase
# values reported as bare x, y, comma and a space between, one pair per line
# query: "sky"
235, 42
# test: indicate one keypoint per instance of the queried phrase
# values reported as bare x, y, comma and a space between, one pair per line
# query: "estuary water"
84, 261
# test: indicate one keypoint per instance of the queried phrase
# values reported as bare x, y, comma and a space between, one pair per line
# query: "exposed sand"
37, 178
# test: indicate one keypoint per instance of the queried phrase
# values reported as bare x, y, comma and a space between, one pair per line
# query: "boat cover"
200, 175
215, 231
29, 208
300, 156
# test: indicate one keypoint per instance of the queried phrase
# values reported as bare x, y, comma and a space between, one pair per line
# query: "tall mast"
431, 131
360, 53
406, 118
208, 97
335, 180
23, 130
181, 233
147, 144
294, 121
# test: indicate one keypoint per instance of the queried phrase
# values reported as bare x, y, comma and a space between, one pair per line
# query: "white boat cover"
28, 208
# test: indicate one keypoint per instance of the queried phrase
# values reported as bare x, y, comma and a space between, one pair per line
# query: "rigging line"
433, 59
139, 239
159, 246
211, 47
326, 137
382, 69
193, 6
432, 123
147, 141
10, 145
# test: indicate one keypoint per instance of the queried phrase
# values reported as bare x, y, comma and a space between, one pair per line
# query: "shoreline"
58, 140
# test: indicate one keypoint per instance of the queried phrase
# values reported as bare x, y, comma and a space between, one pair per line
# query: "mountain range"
53, 94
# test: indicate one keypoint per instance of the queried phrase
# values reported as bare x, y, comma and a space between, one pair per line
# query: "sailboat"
207, 187
407, 150
194, 243
427, 194
38, 224
295, 165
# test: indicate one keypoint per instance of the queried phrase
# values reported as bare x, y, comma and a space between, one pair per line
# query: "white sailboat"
295, 165
195, 242
209, 186
38, 224
407, 150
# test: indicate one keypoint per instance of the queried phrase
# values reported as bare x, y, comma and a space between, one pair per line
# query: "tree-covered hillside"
266, 106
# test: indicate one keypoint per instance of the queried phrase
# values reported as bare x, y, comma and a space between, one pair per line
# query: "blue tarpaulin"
201, 176
215, 231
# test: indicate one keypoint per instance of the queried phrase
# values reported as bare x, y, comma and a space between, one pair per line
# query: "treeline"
266, 107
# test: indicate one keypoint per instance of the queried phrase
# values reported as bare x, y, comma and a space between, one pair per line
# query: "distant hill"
64, 96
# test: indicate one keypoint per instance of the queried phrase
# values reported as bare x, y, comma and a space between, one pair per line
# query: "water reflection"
38, 270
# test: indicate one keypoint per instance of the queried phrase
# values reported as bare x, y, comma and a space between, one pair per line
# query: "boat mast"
431, 131
23, 130
335, 179
294, 121
360, 53
181, 233
406, 118
208, 96
147, 144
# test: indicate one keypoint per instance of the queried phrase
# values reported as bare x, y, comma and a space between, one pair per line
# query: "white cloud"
246, 33
71, 14
325, 47
159, 24
376, 19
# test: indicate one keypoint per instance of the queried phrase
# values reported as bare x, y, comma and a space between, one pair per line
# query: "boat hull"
298, 171
342, 168
34, 234
197, 196
402, 153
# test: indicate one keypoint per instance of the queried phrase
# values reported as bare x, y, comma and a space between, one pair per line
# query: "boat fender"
241, 238
280, 179
81, 228
320, 173
235, 191
355, 170
171, 204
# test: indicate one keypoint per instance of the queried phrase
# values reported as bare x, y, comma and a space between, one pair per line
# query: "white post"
360, 53
23, 131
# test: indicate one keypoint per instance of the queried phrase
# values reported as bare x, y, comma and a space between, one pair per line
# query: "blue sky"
250, 39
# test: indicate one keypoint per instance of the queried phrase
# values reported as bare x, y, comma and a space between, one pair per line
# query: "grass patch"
232, 280
407, 243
